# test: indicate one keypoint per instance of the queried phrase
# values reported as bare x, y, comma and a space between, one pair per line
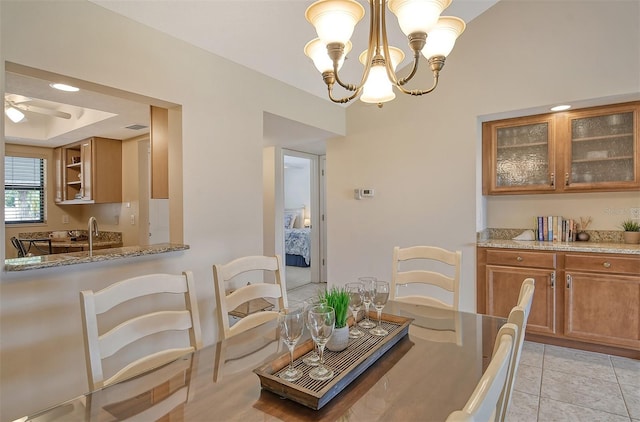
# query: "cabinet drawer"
521, 259
603, 263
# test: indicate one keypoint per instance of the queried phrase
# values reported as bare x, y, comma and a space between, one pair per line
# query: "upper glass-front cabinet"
603, 148
594, 149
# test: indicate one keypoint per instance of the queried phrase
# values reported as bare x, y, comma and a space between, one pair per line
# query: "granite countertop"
601, 241
73, 258
599, 247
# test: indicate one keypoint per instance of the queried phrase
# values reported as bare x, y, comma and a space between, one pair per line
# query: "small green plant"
338, 299
630, 226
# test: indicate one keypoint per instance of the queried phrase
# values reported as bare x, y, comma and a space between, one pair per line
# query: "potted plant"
338, 299
631, 231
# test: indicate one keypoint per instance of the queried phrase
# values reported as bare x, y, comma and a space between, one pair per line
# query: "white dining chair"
147, 317
486, 399
228, 299
518, 316
401, 279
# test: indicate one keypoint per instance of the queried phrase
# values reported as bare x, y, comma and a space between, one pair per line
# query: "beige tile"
557, 411
583, 391
523, 408
528, 379
627, 370
631, 395
579, 362
532, 354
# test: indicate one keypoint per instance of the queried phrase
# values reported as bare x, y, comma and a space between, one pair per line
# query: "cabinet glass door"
602, 149
522, 156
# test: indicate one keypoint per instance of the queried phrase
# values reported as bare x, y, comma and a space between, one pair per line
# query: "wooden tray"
348, 364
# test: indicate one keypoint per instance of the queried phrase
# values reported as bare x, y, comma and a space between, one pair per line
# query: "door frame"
317, 226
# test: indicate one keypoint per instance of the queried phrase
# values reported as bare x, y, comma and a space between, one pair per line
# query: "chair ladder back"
518, 316
443, 281
485, 403
225, 303
100, 346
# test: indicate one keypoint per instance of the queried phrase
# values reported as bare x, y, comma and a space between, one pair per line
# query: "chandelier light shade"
378, 88
443, 37
428, 35
317, 51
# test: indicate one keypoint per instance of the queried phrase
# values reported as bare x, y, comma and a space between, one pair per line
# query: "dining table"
428, 373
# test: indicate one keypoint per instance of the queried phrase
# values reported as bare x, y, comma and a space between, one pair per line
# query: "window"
24, 190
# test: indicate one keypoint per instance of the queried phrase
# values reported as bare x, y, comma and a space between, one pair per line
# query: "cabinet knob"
519, 259
566, 179
606, 265
553, 180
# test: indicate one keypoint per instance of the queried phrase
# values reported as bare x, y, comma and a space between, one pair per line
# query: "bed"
297, 238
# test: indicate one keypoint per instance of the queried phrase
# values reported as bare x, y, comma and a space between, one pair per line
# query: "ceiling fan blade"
42, 110
16, 98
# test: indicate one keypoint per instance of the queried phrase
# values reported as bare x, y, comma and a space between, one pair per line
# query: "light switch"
133, 219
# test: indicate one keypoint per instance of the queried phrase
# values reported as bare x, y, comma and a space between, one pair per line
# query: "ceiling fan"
15, 105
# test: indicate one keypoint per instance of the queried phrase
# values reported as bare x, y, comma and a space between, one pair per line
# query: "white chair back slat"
142, 326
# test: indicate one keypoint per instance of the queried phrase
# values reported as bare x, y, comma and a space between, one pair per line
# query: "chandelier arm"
391, 74
414, 70
436, 63
344, 99
367, 67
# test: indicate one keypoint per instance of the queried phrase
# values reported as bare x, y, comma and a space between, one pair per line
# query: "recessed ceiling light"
561, 107
64, 87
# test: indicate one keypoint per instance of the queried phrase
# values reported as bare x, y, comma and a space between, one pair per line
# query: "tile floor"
561, 384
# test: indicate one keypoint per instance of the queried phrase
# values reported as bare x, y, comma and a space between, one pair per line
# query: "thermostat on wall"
363, 193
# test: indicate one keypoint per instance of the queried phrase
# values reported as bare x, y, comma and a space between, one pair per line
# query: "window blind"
24, 190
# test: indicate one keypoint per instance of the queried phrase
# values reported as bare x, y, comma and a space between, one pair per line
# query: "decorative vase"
583, 236
339, 340
631, 237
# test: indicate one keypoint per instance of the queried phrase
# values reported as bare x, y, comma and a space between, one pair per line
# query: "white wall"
42, 357
421, 154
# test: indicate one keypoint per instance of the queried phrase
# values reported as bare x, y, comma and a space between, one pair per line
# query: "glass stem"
366, 311
321, 349
355, 317
379, 317
291, 358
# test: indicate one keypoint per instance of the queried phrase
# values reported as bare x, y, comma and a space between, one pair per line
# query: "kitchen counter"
594, 247
73, 258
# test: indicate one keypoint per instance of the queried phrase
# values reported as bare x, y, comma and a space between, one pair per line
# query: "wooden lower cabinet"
585, 300
503, 288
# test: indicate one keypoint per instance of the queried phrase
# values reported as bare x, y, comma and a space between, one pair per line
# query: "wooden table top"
425, 376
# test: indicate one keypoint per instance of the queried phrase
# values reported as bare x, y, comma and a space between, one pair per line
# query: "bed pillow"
289, 220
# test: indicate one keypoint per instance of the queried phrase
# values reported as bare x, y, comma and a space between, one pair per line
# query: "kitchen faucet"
93, 231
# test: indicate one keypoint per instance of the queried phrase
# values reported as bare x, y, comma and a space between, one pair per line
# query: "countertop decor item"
631, 233
582, 234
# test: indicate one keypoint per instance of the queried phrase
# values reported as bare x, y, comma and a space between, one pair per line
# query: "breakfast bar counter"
72, 258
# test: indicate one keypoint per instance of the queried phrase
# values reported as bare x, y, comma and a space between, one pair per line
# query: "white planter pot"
339, 340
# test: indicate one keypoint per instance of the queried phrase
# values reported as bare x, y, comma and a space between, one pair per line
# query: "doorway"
301, 218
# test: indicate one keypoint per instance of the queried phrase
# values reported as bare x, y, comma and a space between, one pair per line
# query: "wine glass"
369, 285
314, 358
355, 304
291, 322
322, 320
379, 299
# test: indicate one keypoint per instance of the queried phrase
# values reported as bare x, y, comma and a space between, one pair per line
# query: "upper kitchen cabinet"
90, 172
594, 149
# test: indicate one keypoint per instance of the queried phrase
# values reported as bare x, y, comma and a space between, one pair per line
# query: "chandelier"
428, 33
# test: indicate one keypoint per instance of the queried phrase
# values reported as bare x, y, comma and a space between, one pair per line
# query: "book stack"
555, 229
